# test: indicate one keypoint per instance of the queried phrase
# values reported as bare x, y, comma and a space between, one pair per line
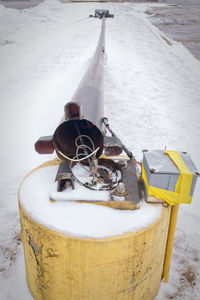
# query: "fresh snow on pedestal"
80, 219
151, 99
80, 192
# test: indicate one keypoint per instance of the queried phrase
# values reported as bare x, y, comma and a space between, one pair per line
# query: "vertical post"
170, 240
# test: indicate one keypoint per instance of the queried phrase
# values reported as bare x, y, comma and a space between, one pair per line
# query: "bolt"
121, 188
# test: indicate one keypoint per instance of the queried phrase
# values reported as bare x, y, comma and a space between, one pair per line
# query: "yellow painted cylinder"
61, 267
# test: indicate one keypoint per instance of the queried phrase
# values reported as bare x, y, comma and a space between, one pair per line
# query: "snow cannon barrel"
84, 113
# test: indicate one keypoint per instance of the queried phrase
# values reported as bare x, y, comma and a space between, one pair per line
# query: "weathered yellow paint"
170, 240
61, 267
114, 156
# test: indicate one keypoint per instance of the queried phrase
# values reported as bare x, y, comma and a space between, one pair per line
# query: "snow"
79, 219
151, 99
81, 192
78, 193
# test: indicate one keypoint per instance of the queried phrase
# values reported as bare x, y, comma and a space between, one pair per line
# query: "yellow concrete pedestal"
61, 267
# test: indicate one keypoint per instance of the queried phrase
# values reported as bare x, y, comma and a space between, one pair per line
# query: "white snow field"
152, 100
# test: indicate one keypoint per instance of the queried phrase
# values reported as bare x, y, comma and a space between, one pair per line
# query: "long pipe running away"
83, 115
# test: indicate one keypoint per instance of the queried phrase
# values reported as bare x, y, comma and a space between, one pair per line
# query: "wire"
77, 160
82, 136
91, 186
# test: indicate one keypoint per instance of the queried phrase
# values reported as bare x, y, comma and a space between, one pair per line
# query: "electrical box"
169, 171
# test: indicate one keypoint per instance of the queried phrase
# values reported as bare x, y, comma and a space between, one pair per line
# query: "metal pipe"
86, 110
130, 154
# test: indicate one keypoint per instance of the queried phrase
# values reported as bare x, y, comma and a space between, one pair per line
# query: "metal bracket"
64, 177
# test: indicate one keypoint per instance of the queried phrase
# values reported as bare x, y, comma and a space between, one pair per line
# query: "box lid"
160, 162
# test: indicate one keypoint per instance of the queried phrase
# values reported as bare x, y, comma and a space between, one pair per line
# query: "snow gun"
85, 143
90, 153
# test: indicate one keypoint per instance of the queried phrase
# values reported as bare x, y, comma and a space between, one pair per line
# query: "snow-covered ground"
152, 100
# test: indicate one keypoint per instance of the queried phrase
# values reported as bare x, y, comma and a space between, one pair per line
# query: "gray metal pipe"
84, 113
